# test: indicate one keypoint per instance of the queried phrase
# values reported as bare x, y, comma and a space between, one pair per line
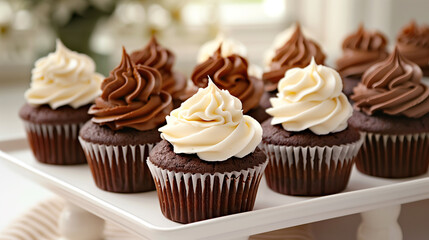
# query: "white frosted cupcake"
208, 164
309, 145
64, 84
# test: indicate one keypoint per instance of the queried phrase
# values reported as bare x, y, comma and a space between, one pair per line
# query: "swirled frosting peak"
64, 78
393, 87
132, 98
361, 50
297, 52
413, 44
311, 98
211, 124
230, 46
230, 73
156, 56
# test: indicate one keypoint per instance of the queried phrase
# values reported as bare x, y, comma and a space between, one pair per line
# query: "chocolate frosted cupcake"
361, 50
413, 44
392, 112
63, 85
231, 73
230, 46
156, 56
209, 164
123, 131
297, 52
280, 39
310, 148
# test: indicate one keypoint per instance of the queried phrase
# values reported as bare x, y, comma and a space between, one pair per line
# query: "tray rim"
346, 203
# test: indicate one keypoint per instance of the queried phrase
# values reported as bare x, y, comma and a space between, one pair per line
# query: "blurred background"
28, 28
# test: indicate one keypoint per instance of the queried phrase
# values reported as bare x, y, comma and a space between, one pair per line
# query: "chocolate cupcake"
392, 107
209, 164
296, 52
156, 56
123, 130
231, 46
413, 44
361, 50
309, 146
279, 40
231, 73
63, 86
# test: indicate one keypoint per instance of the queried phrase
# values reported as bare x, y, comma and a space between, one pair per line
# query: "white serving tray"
141, 215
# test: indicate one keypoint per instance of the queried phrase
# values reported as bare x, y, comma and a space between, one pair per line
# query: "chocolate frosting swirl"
230, 73
297, 52
156, 56
132, 98
413, 43
361, 50
393, 87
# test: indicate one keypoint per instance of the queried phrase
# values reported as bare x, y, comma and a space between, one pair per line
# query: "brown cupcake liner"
394, 156
55, 143
191, 197
121, 169
309, 171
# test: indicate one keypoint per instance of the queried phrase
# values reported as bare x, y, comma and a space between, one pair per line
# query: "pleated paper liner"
187, 197
309, 171
394, 156
55, 143
120, 169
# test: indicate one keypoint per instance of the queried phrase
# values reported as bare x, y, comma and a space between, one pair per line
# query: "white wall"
332, 20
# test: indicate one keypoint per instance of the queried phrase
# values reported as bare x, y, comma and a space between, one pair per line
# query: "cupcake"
231, 73
392, 108
230, 46
297, 52
280, 39
123, 129
309, 145
413, 44
63, 86
361, 50
156, 56
208, 164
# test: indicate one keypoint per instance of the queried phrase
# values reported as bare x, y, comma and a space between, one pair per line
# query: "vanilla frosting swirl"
63, 78
211, 124
393, 87
311, 98
297, 52
132, 98
361, 50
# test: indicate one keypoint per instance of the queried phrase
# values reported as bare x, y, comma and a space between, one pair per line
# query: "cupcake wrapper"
189, 197
309, 171
55, 143
394, 156
119, 168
